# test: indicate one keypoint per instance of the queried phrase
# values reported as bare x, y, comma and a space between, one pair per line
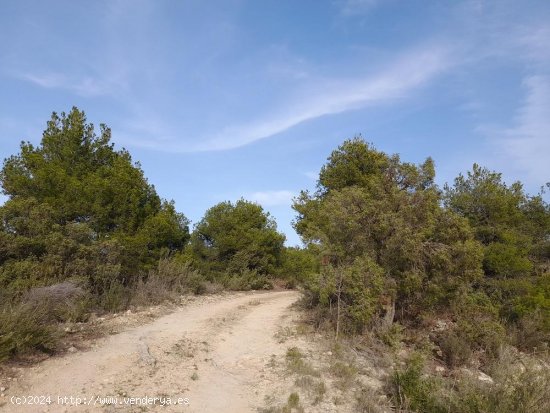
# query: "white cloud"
339, 95
272, 198
86, 86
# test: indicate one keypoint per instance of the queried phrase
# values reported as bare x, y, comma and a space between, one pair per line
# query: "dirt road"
209, 356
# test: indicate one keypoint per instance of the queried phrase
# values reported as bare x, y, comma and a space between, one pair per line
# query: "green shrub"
456, 349
411, 390
246, 280
296, 363
506, 260
25, 328
522, 387
116, 297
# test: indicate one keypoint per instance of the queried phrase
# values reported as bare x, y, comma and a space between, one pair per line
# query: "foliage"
412, 391
80, 213
515, 388
298, 265
515, 230
384, 237
25, 328
515, 227
78, 208
236, 239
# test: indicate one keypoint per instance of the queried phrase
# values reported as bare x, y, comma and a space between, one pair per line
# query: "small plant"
315, 388
455, 349
283, 334
345, 373
368, 402
292, 405
293, 400
391, 336
24, 328
194, 376
297, 365
410, 390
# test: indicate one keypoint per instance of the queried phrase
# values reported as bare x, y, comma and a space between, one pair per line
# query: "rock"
439, 369
484, 377
440, 325
329, 353
2, 389
144, 353
72, 349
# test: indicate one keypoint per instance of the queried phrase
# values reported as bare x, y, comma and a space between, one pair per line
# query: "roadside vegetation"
452, 282
83, 231
454, 278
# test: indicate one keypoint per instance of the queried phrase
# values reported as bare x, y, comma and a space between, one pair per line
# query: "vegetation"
238, 244
459, 273
519, 390
71, 241
388, 246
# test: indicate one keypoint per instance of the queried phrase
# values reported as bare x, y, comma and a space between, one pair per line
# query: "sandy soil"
212, 355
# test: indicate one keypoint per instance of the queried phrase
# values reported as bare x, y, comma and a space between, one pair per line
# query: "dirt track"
213, 352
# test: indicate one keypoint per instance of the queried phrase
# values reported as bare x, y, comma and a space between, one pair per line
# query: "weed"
315, 388
410, 390
368, 401
297, 365
292, 405
293, 400
345, 373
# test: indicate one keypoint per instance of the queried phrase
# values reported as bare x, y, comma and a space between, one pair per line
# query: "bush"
349, 295
367, 401
25, 328
531, 333
455, 348
247, 280
60, 302
506, 260
517, 386
411, 390
116, 297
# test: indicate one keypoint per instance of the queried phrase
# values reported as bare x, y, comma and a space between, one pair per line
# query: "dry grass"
296, 363
315, 388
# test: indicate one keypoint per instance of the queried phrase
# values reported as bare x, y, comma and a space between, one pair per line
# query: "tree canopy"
76, 205
238, 237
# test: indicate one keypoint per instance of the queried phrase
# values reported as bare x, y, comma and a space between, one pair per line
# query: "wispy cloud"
272, 198
86, 86
339, 95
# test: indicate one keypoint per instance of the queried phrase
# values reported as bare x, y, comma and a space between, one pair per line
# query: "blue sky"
226, 99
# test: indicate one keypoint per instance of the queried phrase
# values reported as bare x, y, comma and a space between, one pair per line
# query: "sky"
220, 100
